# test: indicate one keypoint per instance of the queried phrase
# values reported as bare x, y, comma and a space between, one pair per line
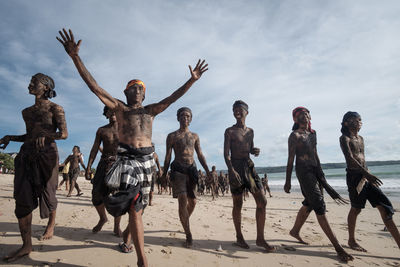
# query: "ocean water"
389, 174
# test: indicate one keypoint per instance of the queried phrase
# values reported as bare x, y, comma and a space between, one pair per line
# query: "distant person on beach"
135, 151
238, 145
221, 183
74, 160
362, 185
65, 177
214, 182
106, 135
36, 165
156, 173
184, 175
303, 147
265, 184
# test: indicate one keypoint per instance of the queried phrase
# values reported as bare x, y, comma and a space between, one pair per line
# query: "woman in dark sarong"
36, 166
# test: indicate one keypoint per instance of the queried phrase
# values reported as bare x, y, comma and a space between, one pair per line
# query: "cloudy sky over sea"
330, 56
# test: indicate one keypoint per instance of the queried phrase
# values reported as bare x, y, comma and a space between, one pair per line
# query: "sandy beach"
74, 244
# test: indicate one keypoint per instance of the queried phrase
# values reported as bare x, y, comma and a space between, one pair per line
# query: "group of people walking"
128, 167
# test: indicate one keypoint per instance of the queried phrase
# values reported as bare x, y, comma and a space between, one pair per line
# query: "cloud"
275, 55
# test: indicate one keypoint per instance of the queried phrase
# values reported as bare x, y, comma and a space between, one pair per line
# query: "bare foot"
99, 225
69, 195
355, 246
297, 236
343, 255
264, 244
241, 243
48, 233
117, 232
189, 241
23, 251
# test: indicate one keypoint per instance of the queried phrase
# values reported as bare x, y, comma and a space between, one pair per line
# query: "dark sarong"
134, 170
36, 179
374, 194
249, 179
184, 179
100, 190
311, 190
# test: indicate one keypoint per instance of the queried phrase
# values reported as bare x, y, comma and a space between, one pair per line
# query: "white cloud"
331, 57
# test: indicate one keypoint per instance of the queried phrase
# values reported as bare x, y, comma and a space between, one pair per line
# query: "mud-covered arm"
94, 150
155, 109
62, 132
72, 48
289, 166
227, 147
200, 155
253, 150
168, 153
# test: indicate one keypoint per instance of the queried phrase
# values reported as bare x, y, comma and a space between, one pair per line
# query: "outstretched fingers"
66, 34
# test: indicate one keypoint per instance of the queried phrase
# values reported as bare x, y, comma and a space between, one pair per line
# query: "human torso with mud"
183, 144
110, 139
356, 146
306, 148
135, 125
241, 142
43, 121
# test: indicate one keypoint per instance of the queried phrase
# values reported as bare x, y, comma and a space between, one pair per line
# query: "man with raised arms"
135, 152
184, 175
238, 145
362, 185
108, 136
36, 165
303, 147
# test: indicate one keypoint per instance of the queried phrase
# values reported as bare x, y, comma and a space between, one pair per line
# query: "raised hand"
198, 70
68, 42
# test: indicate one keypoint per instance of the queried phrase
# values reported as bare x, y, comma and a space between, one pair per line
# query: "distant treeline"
326, 166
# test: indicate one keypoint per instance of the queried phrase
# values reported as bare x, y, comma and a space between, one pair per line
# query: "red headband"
297, 111
132, 82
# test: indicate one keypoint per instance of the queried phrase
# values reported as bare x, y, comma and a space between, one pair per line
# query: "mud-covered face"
185, 118
36, 88
135, 93
111, 115
75, 151
303, 117
354, 123
239, 112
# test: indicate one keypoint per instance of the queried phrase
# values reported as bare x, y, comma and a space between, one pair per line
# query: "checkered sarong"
131, 169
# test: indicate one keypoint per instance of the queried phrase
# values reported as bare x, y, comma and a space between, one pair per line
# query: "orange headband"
132, 82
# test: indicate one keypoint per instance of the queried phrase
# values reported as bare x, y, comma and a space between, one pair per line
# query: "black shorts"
313, 197
73, 174
373, 194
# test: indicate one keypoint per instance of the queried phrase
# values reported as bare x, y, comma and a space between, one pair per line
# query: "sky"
329, 56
